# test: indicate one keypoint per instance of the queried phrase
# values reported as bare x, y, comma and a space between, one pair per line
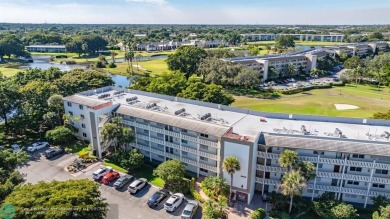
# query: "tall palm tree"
291, 69
139, 56
292, 184
231, 165
129, 56
288, 159
114, 131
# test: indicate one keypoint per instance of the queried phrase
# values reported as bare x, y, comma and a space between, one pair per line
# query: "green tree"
60, 134
385, 116
352, 62
291, 69
258, 214
171, 171
247, 78
212, 209
139, 57
72, 197
384, 213
344, 211
272, 73
186, 59
117, 134
84, 47
288, 159
284, 42
10, 44
215, 186
292, 184
380, 201
307, 169
209, 93
254, 51
376, 36
56, 102
135, 160
231, 165
9, 98
167, 83
129, 56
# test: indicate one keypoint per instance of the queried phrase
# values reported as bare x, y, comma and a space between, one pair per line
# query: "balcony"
162, 153
172, 156
212, 156
141, 147
143, 137
172, 145
207, 167
266, 181
188, 161
187, 149
157, 141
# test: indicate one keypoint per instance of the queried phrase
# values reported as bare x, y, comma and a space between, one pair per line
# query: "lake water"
120, 80
43, 62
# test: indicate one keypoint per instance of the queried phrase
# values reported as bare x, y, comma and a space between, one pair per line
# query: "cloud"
159, 2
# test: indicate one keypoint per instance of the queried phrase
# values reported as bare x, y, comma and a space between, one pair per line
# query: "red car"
109, 177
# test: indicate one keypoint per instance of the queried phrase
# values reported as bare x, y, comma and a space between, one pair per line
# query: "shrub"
111, 65
258, 214
214, 186
59, 135
195, 193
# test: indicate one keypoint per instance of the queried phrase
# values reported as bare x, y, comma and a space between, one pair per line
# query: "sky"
196, 11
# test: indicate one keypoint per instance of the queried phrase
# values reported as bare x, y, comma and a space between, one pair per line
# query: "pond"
43, 62
120, 80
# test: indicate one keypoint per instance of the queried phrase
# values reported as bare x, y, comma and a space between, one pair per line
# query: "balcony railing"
208, 167
204, 154
172, 145
188, 161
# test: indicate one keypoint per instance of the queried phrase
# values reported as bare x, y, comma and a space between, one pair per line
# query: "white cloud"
160, 2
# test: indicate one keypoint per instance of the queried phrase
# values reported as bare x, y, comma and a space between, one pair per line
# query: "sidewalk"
199, 189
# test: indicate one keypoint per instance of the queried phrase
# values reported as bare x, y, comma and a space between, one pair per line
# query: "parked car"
190, 209
37, 145
137, 185
98, 174
52, 152
173, 202
109, 177
123, 180
15, 148
157, 197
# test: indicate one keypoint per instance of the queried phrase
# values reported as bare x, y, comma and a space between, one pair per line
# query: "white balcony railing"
188, 161
208, 167
204, 154
187, 149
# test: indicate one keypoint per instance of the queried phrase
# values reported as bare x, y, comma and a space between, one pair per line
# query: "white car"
190, 209
173, 202
36, 146
137, 185
98, 174
15, 148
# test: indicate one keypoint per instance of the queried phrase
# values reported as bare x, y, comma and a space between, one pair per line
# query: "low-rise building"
46, 48
302, 37
352, 156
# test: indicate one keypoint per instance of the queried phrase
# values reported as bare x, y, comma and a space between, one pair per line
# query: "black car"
157, 197
123, 180
52, 152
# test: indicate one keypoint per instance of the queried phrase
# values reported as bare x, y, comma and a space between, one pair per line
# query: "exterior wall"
307, 37
45, 49
352, 177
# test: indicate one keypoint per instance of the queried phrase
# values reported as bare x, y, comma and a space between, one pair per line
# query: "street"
122, 204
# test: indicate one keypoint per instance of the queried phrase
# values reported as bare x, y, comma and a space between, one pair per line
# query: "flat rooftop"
46, 46
245, 123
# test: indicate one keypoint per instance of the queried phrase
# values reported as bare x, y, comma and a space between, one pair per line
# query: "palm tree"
84, 47
113, 131
57, 103
314, 72
292, 184
291, 69
139, 56
231, 165
288, 159
129, 56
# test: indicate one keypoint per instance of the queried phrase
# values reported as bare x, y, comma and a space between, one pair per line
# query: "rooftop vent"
206, 116
151, 105
338, 133
119, 92
131, 99
385, 135
104, 96
180, 111
304, 130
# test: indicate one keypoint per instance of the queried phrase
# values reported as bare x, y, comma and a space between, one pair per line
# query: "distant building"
302, 37
141, 35
171, 45
46, 48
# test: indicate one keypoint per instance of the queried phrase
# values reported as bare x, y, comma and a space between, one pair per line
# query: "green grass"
8, 72
153, 67
114, 166
147, 173
78, 147
321, 102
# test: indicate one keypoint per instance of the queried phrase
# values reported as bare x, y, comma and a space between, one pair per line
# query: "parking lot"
122, 204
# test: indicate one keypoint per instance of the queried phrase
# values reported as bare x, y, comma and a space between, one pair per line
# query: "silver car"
190, 209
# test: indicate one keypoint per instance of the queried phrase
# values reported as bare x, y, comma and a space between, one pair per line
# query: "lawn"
8, 72
78, 147
321, 102
154, 67
143, 172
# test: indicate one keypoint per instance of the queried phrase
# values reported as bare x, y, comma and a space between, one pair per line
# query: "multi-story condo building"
306, 37
352, 156
171, 45
46, 48
304, 61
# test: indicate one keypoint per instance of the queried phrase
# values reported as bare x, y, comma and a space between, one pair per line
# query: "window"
385, 172
82, 116
356, 169
203, 170
70, 104
82, 125
159, 156
184, 141
204, 147
70, 113
358, 156
146, 131
184, 130
184, 153
320, 165
204, 135
81, 107
84, 134
160, 135
350, 182
203, 158
381, 186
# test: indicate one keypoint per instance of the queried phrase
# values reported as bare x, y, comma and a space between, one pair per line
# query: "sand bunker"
345, 107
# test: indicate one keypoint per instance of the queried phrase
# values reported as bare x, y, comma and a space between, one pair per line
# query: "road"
122, 204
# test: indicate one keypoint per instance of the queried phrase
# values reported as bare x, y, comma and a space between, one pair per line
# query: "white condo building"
352, 155
302, 37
